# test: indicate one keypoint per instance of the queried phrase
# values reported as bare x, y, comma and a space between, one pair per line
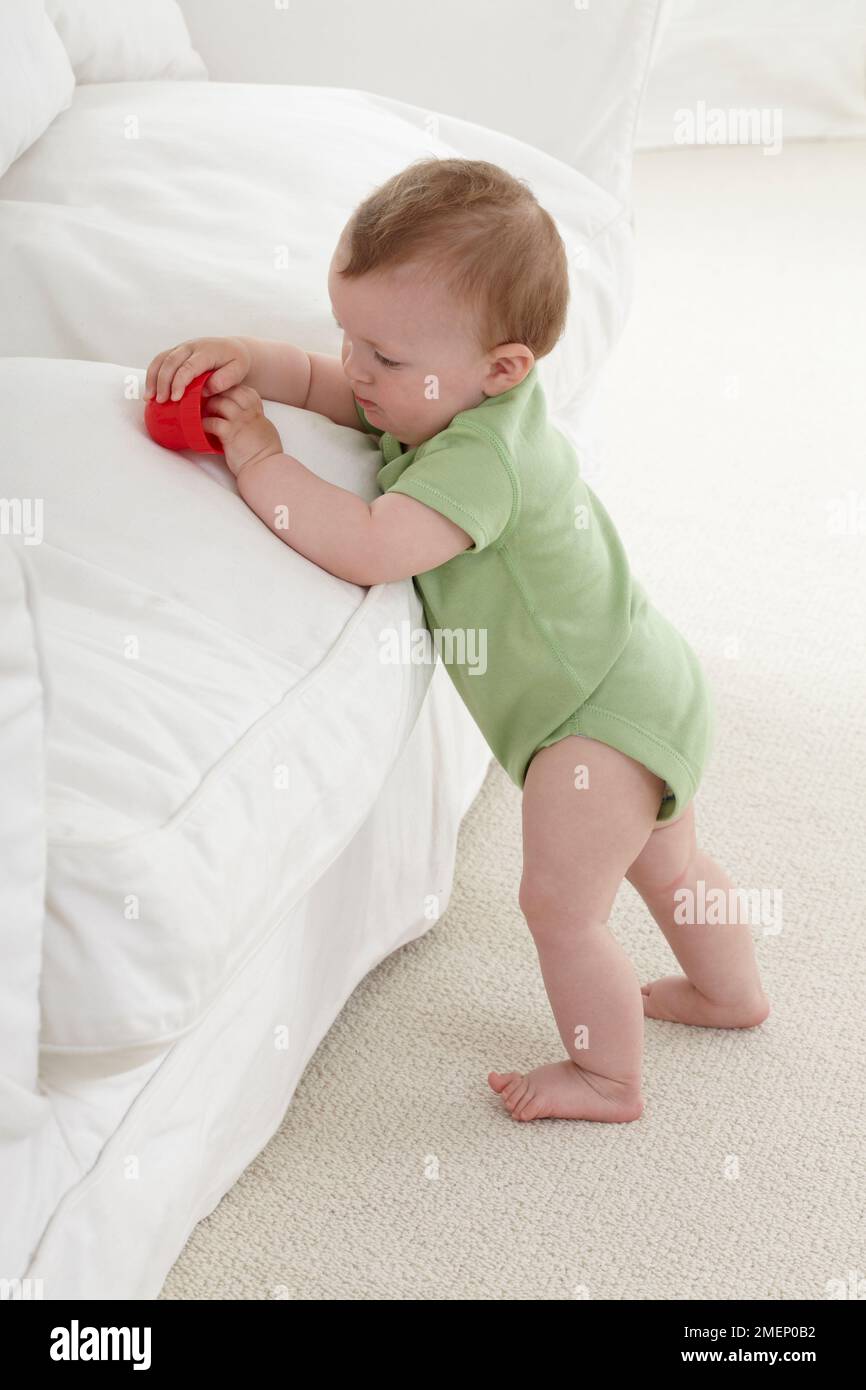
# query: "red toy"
177, 424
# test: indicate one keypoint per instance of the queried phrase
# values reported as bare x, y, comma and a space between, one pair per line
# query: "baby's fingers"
199, 361
167, 372
228, 375
224, 405
153, 373
216, 425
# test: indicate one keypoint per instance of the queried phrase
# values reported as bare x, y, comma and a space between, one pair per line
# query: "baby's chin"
409, 433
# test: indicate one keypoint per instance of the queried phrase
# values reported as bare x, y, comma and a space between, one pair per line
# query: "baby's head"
449, 281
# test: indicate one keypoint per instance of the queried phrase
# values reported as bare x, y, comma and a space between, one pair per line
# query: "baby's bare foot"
563, 1091
675, 1000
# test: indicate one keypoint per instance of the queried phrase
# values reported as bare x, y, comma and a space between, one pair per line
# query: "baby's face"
408, 351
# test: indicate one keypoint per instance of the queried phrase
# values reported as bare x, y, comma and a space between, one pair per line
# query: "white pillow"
126, 40
35, 77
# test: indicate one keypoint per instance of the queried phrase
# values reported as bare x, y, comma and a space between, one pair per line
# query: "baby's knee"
551, 908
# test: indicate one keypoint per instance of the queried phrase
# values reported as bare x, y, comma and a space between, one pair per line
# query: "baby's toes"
529, 1107
502, 1081
515, 1093
659, 998
513, 1089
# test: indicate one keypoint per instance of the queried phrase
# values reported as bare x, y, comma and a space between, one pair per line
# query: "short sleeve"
462, 474
371, 429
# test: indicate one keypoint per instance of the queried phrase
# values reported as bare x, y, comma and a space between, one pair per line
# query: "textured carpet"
733, 427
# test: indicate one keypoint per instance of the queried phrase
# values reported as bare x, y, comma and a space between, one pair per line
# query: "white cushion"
126, 40
22, 820
36, 79
221, 719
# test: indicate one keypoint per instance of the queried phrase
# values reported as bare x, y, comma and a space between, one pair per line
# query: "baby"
448, 283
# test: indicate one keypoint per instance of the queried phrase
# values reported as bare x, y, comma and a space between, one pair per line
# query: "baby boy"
449, 283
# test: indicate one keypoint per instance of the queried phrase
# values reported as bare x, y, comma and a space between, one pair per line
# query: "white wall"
563, 75
536, 68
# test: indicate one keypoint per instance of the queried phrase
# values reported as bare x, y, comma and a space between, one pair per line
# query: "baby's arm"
392, 538
308, 380
367, 543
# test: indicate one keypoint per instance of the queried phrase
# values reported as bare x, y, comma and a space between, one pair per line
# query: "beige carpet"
735, 425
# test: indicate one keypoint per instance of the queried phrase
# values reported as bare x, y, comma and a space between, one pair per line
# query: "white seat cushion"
22, 826
221, 721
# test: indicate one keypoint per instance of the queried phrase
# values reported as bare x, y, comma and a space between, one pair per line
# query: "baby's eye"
386, 361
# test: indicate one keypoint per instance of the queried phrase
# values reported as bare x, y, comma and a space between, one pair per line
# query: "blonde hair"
480, 231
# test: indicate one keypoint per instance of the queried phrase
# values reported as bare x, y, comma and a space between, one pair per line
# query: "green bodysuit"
542, 627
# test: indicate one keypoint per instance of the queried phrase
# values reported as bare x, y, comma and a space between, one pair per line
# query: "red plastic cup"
177, 424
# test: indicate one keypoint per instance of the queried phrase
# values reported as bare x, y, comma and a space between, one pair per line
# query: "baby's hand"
239, 423
170, 372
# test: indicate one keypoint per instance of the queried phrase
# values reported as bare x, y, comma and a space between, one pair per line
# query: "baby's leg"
578, 842
721, 987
